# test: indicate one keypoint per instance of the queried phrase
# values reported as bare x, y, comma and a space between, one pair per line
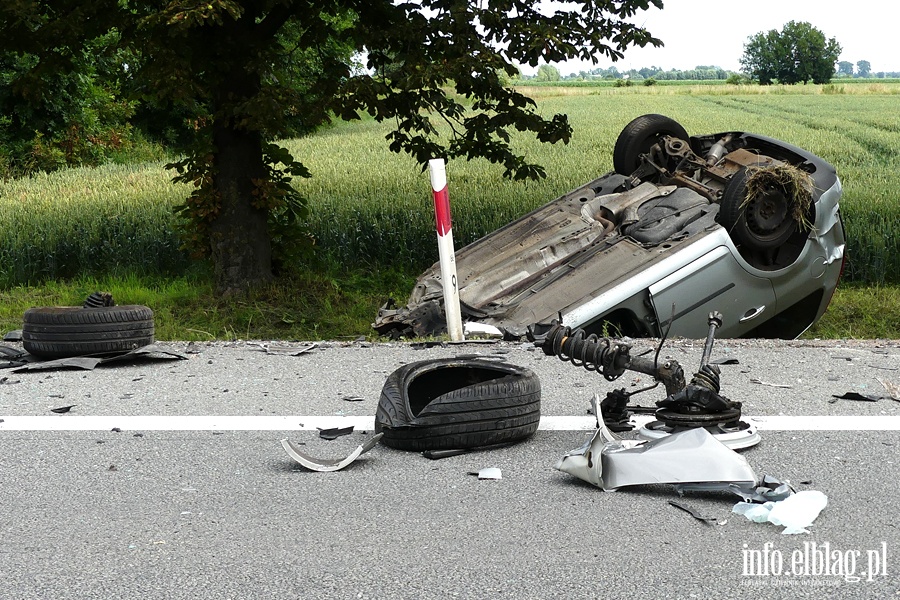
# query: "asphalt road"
191, 505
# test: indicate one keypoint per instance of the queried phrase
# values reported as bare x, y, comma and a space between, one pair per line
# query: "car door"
712, 282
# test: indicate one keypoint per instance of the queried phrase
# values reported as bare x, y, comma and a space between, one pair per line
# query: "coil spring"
99, 300
707, 377
591, 352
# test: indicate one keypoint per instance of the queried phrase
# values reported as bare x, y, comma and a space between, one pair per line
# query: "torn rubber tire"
453, 403
64, 331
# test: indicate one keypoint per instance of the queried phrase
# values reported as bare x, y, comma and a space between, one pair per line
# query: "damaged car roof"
734, 221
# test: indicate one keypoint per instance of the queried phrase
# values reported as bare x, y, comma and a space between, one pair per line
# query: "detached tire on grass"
64, 331
452, 403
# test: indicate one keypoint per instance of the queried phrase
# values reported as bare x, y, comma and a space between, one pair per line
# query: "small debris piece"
13, 336
777, 385
439, 454
112, 468
429, 344
11, 352
334, 432
353, 398
63, 409
287, 350
117, 429
488, 473
795, 513
724, 361
847, 358
855, 396
692, 511
892, 388
883, 368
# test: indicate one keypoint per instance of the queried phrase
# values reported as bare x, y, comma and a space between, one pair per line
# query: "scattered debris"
13, 336
63, 409
693, 512
439, 454
725, 361
327, 464
287, 350
489, 473
334, 433
892, 388
10, 352
855, 396
795, 513
88, 363
775, 385
472, 328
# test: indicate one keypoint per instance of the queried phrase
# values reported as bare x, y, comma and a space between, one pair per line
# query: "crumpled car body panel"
612, 255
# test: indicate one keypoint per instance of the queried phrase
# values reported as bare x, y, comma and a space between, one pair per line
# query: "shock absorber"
602, 355
610, 358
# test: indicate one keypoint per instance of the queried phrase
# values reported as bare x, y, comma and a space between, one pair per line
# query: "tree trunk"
239, 237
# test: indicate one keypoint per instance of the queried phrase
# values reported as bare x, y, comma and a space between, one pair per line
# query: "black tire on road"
64, 331
452, 403
759, 224
638, 136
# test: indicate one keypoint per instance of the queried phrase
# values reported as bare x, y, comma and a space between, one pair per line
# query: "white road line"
71, 422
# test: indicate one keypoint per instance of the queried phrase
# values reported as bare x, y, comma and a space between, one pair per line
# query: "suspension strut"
611, 358
697, 404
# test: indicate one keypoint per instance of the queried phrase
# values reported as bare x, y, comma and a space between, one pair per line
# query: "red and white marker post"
446, 252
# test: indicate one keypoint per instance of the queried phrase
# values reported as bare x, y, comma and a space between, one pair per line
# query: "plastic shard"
327, 464
795, 513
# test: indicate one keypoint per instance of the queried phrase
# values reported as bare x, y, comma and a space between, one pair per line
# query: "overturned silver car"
735, 222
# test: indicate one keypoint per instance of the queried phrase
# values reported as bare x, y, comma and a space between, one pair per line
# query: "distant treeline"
698, 73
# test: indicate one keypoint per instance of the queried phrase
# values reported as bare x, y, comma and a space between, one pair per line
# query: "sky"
707, 32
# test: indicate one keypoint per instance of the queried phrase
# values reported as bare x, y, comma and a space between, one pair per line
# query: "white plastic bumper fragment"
327, 464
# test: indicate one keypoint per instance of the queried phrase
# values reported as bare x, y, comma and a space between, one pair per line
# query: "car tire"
638, 136
64, 331
760, 224
454, 403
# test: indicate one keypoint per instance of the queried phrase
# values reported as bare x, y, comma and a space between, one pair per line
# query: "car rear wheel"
639, 136
761, 223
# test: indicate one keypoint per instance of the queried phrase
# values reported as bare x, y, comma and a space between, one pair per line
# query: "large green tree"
797, 53
231, 67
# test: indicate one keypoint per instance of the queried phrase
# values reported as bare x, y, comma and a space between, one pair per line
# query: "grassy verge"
318, 303
332, 304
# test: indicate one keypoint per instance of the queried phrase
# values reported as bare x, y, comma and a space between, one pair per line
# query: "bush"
649, 81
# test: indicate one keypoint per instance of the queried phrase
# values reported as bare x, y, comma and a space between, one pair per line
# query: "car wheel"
760, 223
638, 136
457, 403
63, 331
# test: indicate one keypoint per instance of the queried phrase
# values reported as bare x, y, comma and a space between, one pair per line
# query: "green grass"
860, 312
327, 303
69, 233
